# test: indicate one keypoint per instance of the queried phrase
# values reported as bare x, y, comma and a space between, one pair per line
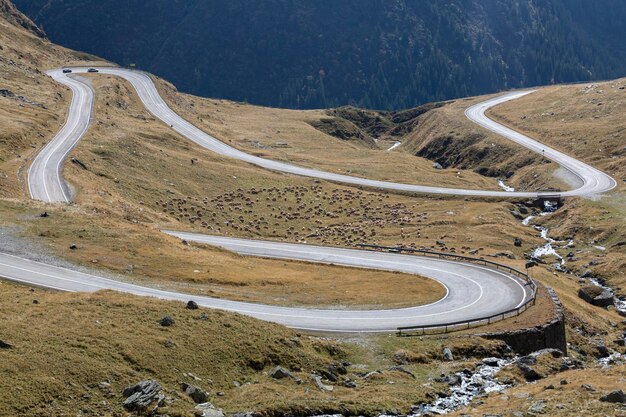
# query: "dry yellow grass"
69, 343
587, 121
134, 163
66, 345
287, 135
448, 136
583, 120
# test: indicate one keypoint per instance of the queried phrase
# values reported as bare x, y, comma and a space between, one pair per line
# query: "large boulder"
447, 355
208, 410
197, 394
529, 373
595, 295
614, 397
143, 394
279, 373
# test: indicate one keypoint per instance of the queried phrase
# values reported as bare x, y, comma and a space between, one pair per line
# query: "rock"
166, 321
198, 395
597, 296
620, 342
279, 373
491, 361
603, 351
192, 305
208, 410
555, 353
328, 375
563, 382
44, 214
322, 387
452, 379
447, 355
350, 384
437, 165
143, 394
517, 242
569, 363
529, 373
587, 387
169, 343
73, 246
586, 274
370, 374
403, 370
538, 407
617, 396
5, 345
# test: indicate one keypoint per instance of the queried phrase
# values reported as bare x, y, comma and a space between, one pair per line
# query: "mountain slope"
373, 53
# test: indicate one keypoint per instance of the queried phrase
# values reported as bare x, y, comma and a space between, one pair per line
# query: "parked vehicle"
92, 70
66, 70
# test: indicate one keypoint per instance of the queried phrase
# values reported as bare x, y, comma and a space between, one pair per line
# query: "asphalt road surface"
472, 291
45, 175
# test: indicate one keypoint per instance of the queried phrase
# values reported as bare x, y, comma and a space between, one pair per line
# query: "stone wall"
548, 335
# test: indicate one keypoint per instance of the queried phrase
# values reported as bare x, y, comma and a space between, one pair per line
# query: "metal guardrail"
464, 324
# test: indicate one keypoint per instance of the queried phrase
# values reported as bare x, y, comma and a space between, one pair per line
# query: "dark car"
92, 70
66, 70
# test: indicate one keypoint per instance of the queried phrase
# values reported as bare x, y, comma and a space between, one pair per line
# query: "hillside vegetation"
387, 54
73, 354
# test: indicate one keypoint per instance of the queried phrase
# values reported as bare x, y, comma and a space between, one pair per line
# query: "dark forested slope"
370, 53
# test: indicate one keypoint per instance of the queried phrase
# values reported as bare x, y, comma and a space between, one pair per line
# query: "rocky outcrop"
548, 335
597, 296
447, 355
10, 13
614, 397
280, 373
208, 410
143, 394
198, 395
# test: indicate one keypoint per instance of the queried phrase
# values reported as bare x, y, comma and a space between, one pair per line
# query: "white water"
394, 146
505, 187
620, 304
481, 381
549, 250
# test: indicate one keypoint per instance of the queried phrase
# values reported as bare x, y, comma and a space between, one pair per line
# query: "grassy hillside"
64, 354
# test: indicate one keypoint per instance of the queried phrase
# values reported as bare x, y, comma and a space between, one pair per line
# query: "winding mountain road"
473, 291
46, 182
